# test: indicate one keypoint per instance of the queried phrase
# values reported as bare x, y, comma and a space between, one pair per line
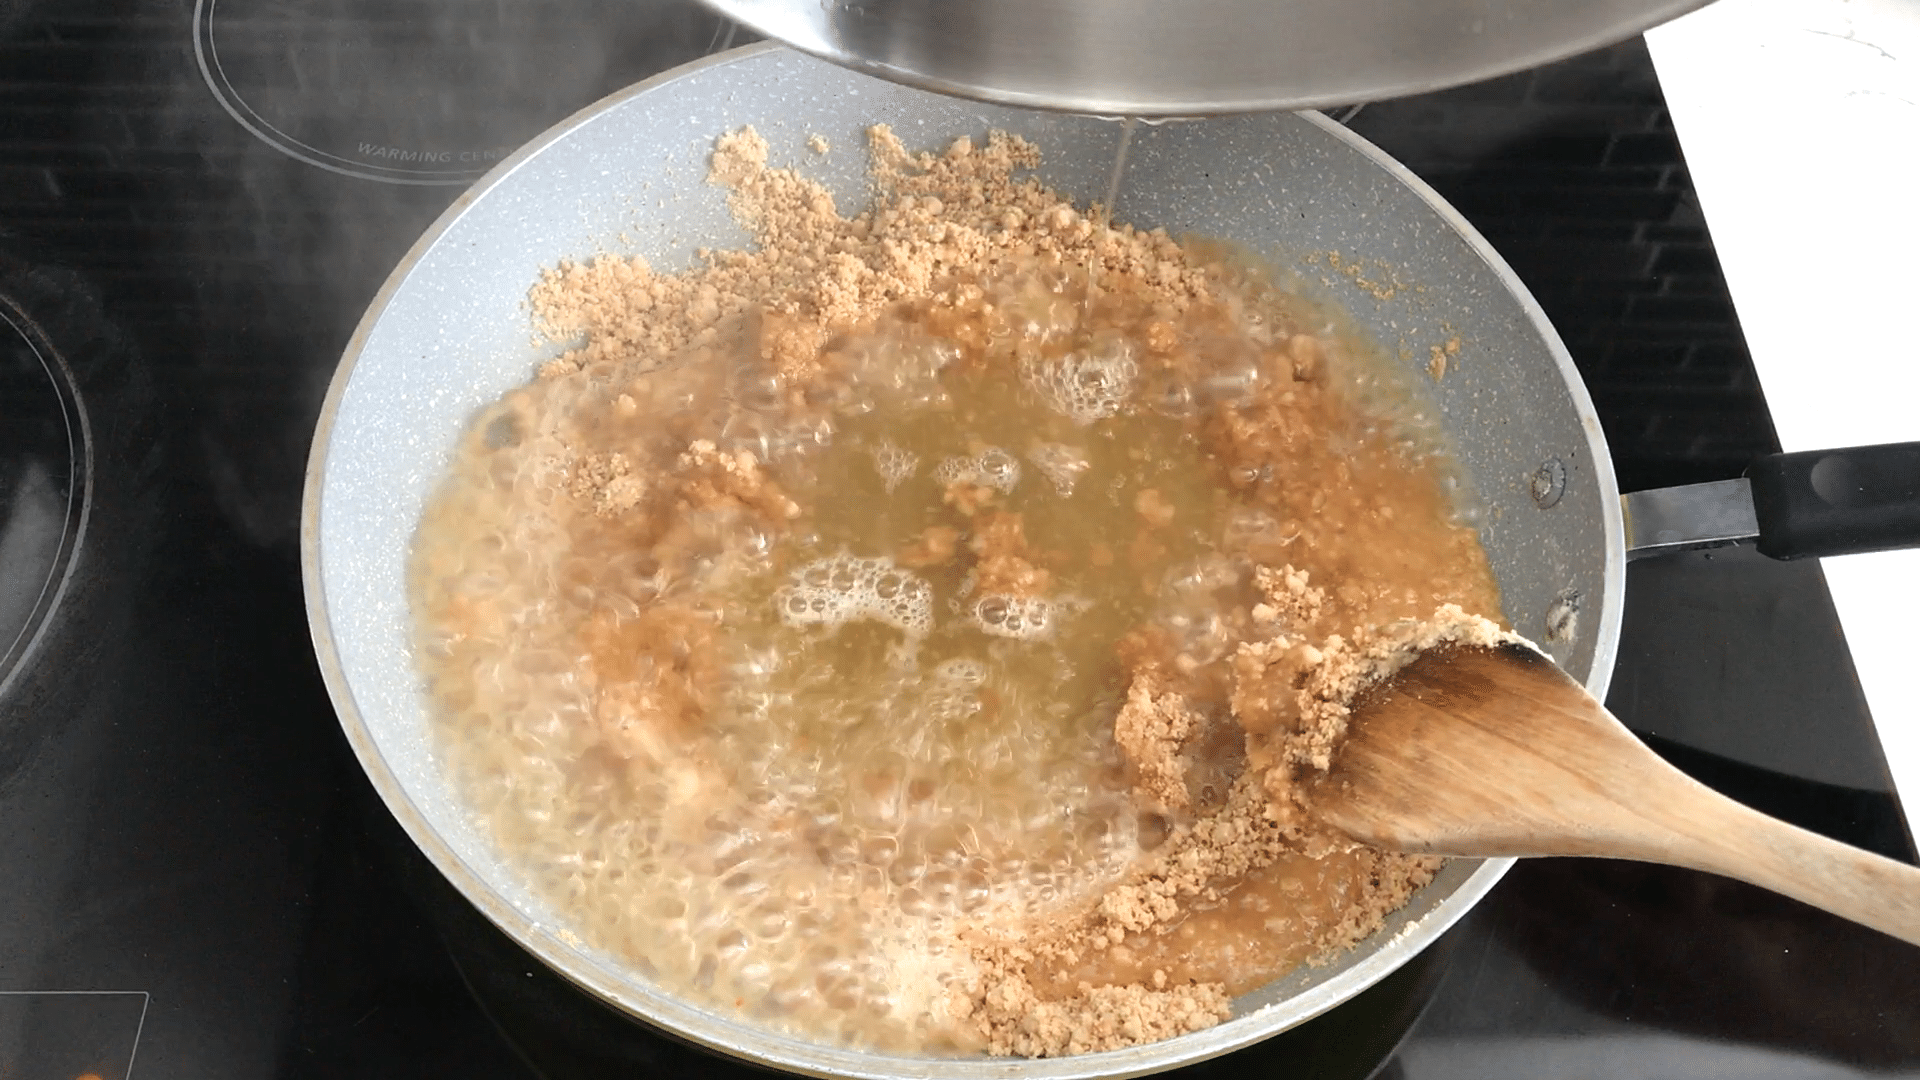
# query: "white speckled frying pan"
449, 332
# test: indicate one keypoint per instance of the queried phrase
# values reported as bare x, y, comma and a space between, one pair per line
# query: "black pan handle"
1837, 502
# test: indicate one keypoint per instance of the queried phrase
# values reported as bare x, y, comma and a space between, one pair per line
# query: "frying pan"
449, 332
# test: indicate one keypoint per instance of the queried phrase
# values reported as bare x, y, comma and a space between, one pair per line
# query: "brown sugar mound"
1005, 567
1094, 1018
815, 272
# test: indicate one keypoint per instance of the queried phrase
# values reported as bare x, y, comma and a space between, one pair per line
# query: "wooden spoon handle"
1702, 829
1505, 755
1649, 811
1846, 881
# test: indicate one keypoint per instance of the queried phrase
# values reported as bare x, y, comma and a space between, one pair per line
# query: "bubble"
894, 464
844, 588
992, 467
901, 368
1021, 617
1234, 378
1200, 580
1247, 527
1035, 308
1060, 464
1088, 385
771, 437
961, 671
952, 694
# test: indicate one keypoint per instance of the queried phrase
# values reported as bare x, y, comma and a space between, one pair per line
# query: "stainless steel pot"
1194, 57
448, 333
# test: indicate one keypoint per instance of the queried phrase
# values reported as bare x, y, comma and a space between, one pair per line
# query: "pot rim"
1045, 79
739, 1039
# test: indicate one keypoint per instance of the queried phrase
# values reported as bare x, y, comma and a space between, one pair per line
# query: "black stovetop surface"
196, 203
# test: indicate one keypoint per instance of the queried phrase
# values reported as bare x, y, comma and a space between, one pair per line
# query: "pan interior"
450, 332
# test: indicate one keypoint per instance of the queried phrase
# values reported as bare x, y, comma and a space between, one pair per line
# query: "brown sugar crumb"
710, 475
1356, 271
1291, 603
818, 144
968, 497
1440, 358
791, 344
1000, 542
1307, 356
1153, 508
936, 544
607, 482
1150, 728
657, 674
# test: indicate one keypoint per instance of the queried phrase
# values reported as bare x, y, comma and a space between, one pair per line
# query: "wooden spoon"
1495, 751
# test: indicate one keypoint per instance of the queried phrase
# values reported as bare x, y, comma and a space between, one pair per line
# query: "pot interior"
450, 332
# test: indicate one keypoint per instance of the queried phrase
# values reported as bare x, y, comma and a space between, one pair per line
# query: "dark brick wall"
1574, 173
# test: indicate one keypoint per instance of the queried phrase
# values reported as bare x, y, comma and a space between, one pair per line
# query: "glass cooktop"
197, 201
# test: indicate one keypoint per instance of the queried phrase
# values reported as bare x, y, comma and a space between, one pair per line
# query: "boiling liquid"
779, 761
